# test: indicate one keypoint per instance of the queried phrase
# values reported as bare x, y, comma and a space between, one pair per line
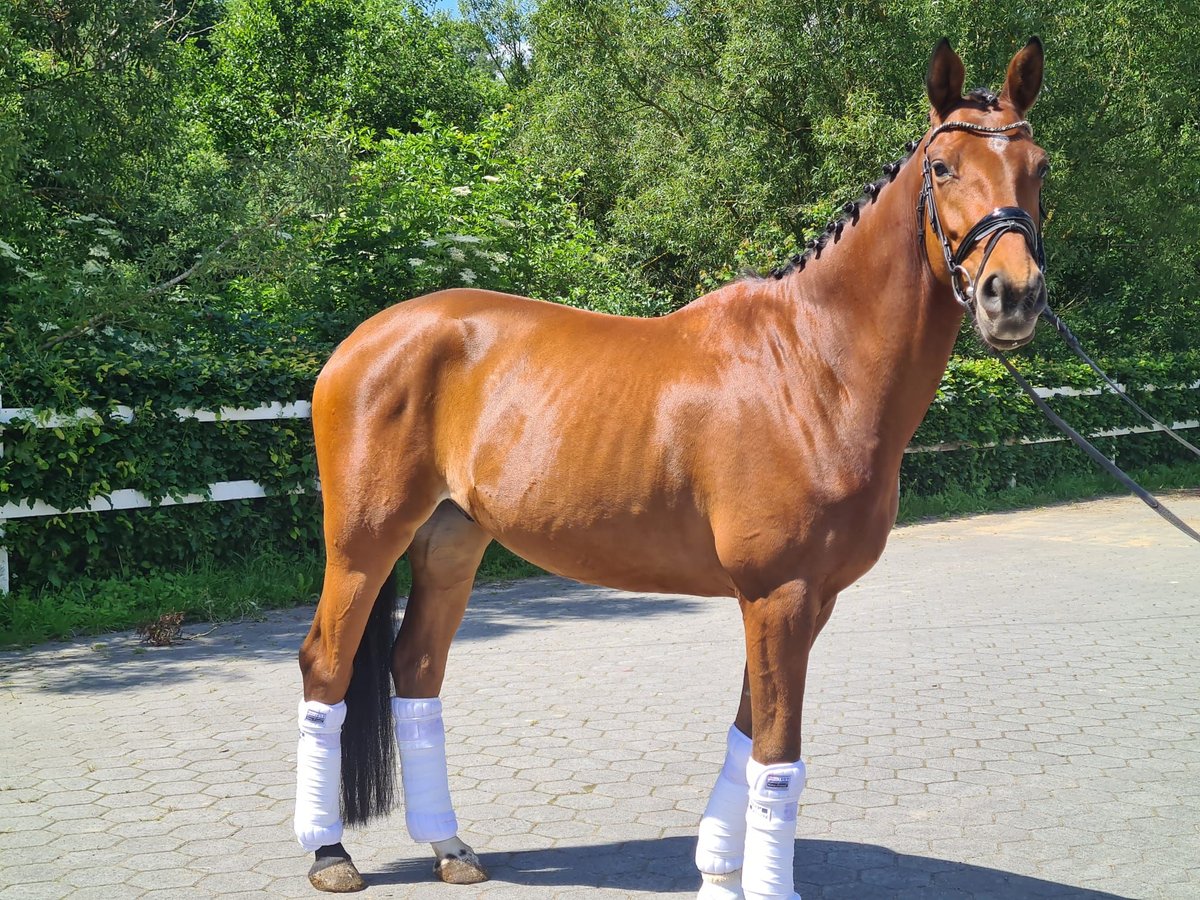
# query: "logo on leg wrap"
775, 813
317, 718
778, 782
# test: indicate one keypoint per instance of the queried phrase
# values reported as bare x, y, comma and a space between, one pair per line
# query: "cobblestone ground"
1007, 706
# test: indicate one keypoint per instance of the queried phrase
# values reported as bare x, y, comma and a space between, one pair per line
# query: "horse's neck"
885, 326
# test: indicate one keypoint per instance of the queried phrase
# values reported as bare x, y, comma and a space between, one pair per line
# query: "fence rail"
296, 409
127, 498
222, 491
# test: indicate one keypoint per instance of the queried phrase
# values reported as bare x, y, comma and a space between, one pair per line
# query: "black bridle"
991, 227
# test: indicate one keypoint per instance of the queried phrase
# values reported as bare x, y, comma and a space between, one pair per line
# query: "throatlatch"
318, 819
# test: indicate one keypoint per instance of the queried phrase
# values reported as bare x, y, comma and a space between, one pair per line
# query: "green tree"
283, 66
497, 38
109, 189
716, 133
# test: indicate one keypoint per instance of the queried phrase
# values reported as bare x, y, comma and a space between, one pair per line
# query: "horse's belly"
593, 497
629, 552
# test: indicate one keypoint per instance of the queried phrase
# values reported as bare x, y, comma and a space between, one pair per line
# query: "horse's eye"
1043, 170
940, 169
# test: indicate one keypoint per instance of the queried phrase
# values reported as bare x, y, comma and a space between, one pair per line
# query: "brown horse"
747, 445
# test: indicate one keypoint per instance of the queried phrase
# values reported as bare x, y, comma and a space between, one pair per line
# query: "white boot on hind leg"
318, 820
721, 842
428, 813
771, 830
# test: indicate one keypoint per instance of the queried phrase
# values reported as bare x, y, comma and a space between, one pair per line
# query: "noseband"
990, 228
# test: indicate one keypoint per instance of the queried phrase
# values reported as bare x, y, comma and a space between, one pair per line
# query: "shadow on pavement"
542, 602
824, 870
117, 661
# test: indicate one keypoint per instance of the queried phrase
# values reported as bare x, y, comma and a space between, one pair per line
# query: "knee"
307, 659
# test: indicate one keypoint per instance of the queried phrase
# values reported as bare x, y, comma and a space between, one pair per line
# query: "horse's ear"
944, 80
1024, 78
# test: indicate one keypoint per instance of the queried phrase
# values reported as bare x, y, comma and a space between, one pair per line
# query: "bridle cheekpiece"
991, 227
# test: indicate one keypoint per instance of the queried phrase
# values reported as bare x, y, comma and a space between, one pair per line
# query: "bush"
439, 207
977, 405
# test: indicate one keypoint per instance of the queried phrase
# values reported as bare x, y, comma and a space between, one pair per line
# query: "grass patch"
204, 592
208, 591
949, 504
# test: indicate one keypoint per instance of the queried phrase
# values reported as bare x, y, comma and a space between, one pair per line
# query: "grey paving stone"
1007, 706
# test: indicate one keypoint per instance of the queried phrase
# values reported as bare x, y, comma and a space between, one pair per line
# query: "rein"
1103, 461
991, 228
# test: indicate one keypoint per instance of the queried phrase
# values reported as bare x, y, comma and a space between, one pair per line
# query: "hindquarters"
373, 425
379, 483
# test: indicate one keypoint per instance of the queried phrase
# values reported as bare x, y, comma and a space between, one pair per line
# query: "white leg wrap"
422, 740
318, 820
722, 840
771, 830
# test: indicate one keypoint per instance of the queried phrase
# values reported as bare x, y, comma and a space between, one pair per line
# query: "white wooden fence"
300, 409
127, 498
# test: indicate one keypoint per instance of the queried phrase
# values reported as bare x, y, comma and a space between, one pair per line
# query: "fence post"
3, 562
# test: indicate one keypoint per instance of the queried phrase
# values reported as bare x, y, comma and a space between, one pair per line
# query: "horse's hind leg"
444, 555
345, 734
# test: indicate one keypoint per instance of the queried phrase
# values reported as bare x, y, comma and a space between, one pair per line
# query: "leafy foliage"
95, 157
440, 207
978, 405
197, 201
157, 453
283, 66
716, 134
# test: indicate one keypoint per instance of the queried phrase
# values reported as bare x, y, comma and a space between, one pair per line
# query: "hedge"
977, 404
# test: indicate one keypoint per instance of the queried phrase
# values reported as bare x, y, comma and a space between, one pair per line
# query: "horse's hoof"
460, 867
334, 872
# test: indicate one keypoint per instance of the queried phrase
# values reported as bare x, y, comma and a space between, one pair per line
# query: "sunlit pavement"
1007, 706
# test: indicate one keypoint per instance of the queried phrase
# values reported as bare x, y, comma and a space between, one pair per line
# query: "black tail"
368, 745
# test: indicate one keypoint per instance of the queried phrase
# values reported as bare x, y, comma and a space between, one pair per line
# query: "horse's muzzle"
1007, 312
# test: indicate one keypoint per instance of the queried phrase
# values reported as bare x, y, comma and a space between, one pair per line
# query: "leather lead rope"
1100, 459
1073, 342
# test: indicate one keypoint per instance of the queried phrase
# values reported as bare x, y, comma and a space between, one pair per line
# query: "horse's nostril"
1035, 299
991, 292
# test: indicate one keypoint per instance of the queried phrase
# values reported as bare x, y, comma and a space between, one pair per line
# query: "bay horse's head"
979, 204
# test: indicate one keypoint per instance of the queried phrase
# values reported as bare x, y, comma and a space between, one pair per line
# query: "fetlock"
318, 818
774, 795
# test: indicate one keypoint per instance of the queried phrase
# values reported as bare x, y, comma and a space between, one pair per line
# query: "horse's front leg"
780, 629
